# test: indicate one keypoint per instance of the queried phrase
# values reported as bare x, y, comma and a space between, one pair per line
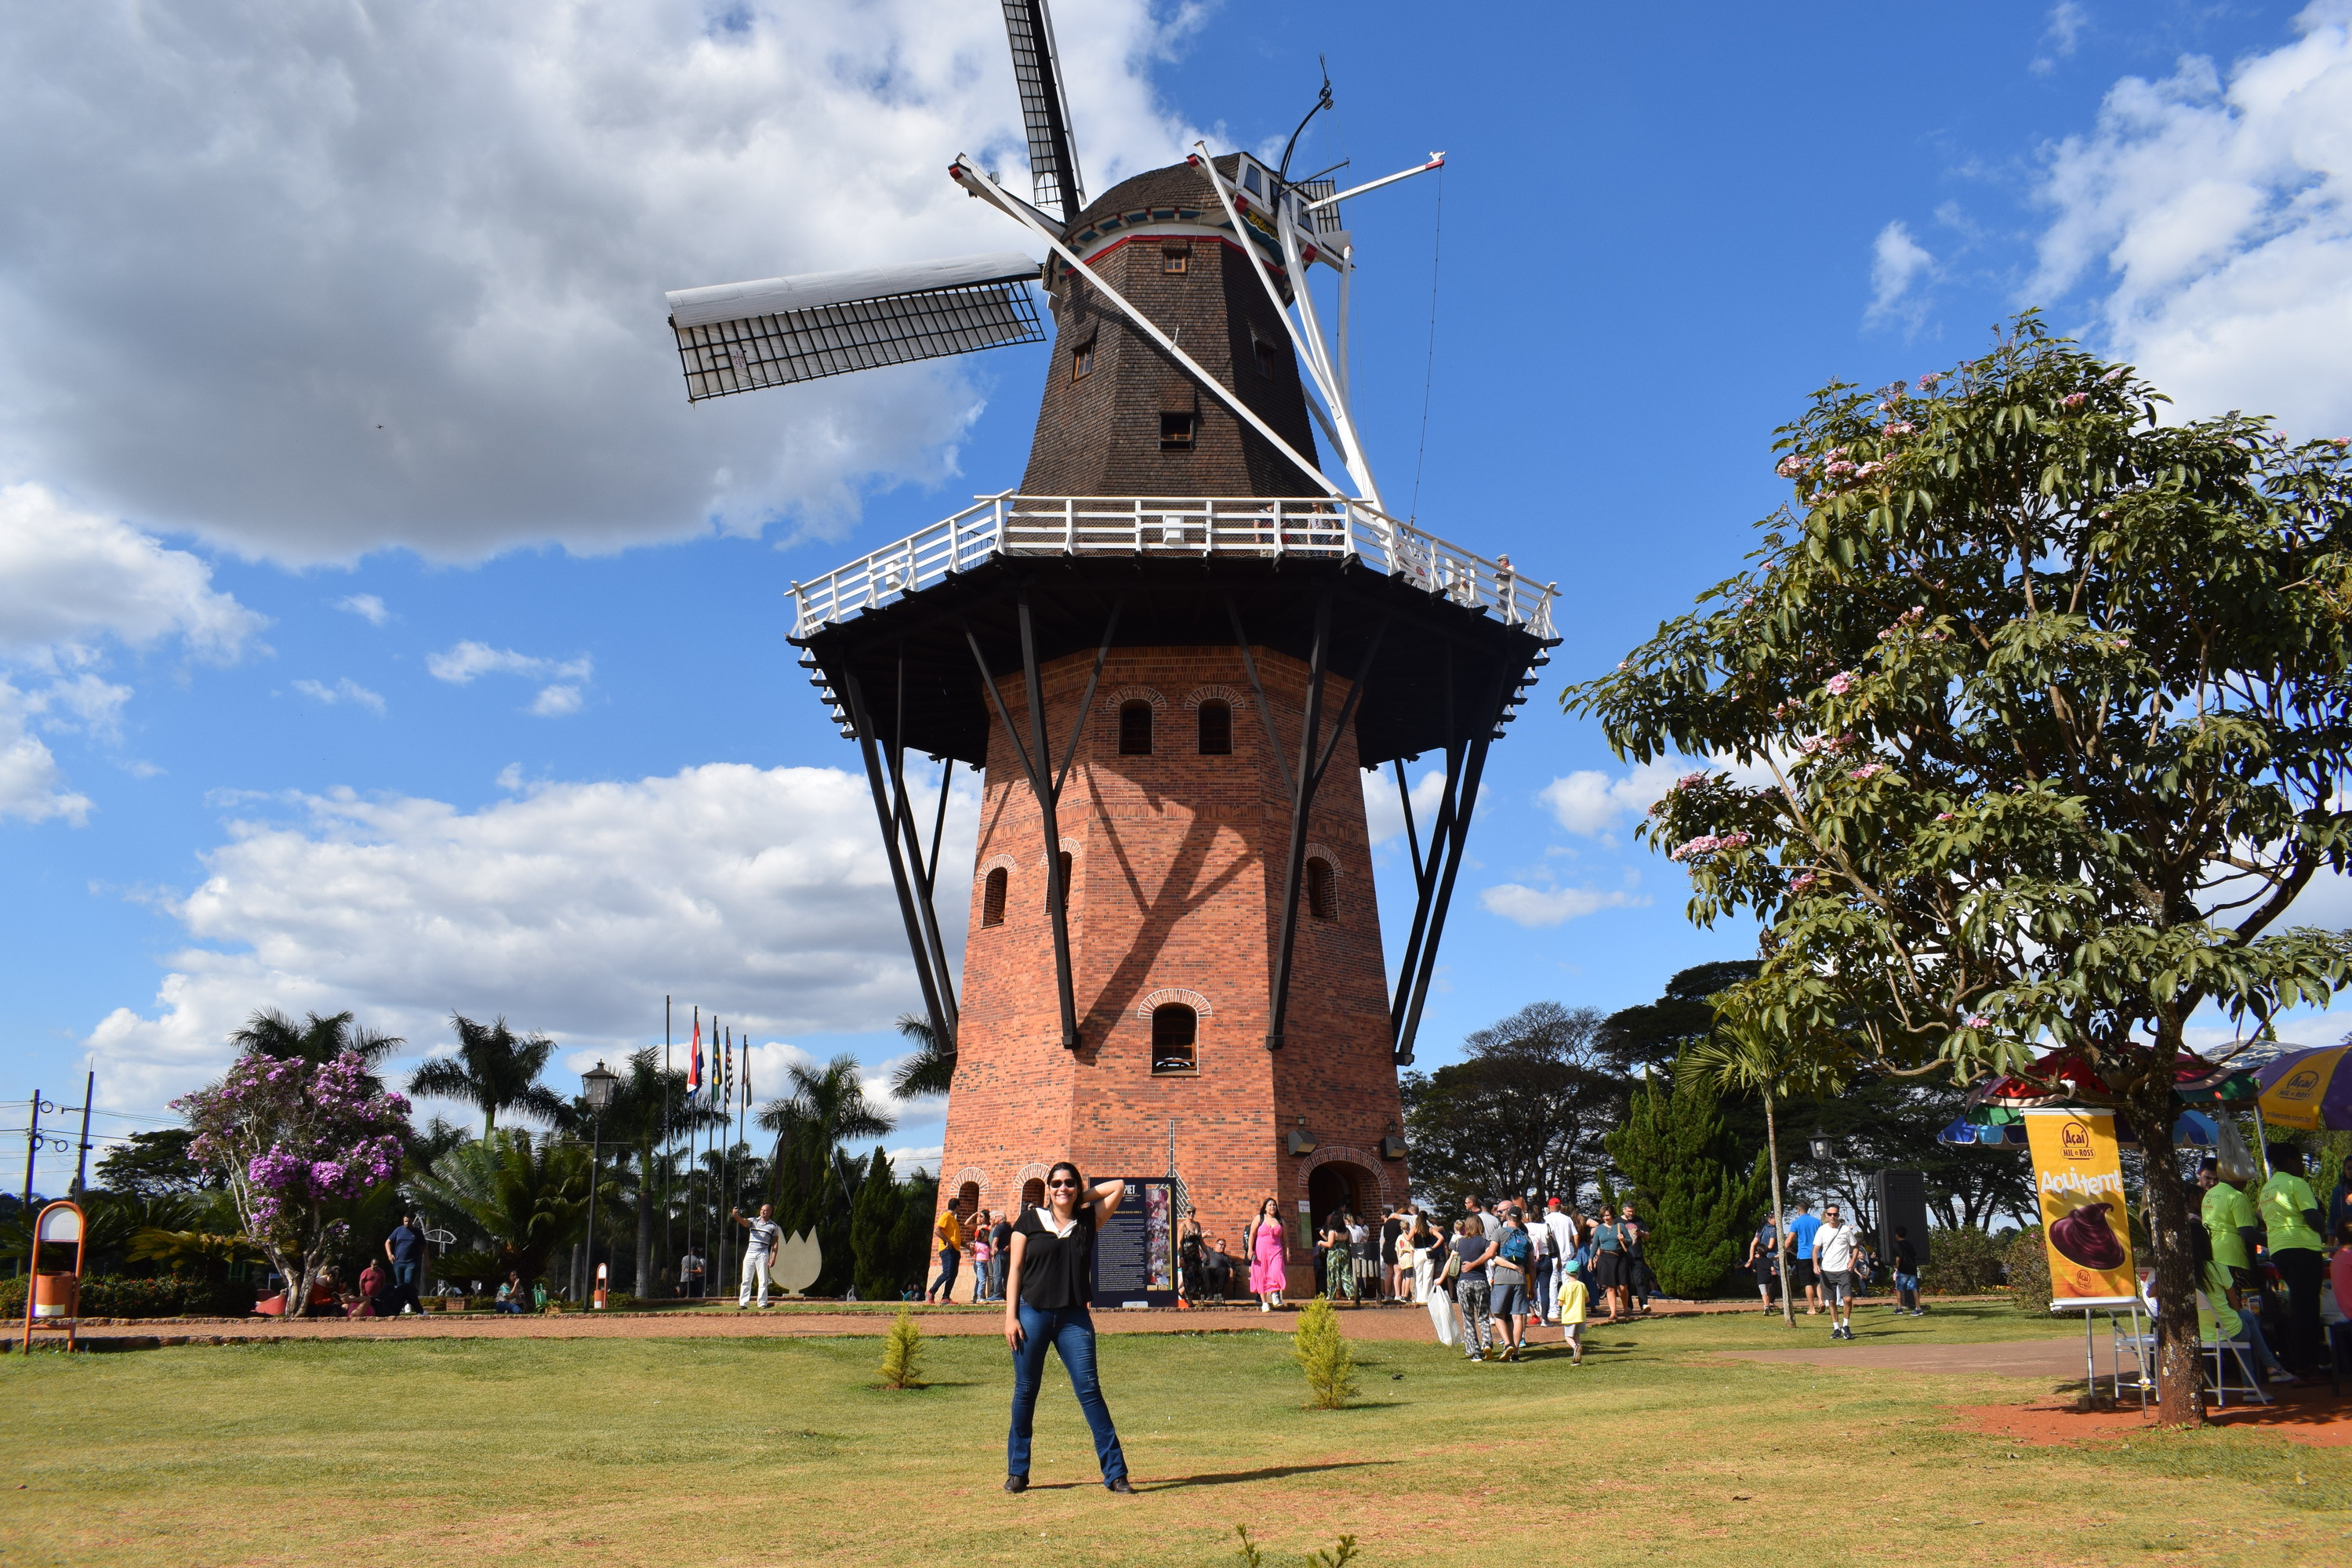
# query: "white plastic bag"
1441, 1317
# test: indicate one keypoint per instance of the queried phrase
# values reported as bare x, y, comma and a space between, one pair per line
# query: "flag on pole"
694, 1062
727, 1071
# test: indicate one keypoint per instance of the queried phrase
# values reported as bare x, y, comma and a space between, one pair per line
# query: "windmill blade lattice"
1044, 110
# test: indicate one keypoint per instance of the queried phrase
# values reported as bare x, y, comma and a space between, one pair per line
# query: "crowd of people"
2262, 1254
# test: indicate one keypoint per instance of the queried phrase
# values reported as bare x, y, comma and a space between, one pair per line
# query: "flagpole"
694, 1099
669, 1137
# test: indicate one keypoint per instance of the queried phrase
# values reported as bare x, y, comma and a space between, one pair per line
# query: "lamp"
596, 1086
597, 1089
1301, 1140
1823, 1151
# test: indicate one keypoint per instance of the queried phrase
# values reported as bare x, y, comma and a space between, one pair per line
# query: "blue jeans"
403, 1287
945, 1285
1071, 1332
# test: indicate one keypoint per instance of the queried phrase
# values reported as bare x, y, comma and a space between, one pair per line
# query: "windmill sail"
1045, 111
739, 337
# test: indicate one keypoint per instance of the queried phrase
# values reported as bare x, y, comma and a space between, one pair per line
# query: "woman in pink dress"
1267, 1279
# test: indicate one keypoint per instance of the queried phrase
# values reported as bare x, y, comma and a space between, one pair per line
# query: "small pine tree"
1698, 1199
902, 1352
873, 1222
1323, 1354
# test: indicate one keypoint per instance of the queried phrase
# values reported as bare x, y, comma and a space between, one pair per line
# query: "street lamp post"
597, 1087
1821, 1149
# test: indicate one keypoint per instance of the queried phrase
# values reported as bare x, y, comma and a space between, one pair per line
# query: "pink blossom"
1793, 464
1690, 781
1868, 771
1842, 682
1839, 469
2341, 442
1802, 883
1928, 382
1707, 843
2076, 399
1867, 469
1621, 664
1978, 1021
1943, 817
1900, 427
2114, 376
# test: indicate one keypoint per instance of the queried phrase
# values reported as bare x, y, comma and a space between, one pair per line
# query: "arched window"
1322, 891
1174, 1030
992, 897
1216, 729
1032, 1192
1135, 729
967, 1203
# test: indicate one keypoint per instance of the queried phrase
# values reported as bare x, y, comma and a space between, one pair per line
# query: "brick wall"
1177, 862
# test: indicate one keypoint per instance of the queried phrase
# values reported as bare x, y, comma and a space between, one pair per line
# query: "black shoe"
1016, 1483
1117, 1484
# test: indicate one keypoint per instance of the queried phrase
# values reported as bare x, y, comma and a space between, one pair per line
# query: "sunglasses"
1071, 1185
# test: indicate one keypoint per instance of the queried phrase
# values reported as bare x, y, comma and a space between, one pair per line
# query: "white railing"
1258, 528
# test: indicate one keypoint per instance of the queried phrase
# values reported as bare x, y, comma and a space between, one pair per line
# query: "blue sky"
379, 629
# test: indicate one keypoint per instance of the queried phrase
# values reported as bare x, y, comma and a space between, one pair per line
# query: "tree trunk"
644, 1285
1780, 1235
2180, 1380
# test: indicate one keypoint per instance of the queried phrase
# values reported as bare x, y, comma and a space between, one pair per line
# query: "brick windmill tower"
1169, 652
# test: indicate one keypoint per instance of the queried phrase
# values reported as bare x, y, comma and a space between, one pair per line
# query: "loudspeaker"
1901, 1198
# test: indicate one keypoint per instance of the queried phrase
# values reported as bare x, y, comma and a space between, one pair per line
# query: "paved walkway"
2008, 1358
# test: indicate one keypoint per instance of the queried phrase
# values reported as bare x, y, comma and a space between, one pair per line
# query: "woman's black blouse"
1056, 1270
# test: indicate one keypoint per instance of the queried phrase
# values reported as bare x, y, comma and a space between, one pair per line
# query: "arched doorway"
1337, 1184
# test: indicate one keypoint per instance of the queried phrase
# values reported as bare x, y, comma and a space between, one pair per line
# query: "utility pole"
81, 1161
32, 1147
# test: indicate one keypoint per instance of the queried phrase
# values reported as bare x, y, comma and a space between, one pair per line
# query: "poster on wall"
2078, 1182
1135, 1253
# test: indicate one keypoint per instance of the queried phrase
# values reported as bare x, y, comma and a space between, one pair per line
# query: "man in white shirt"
1833, 1249
1560, 1228
759, 1254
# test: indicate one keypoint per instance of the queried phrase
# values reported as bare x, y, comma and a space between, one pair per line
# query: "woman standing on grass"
1609, 1262
1267, 1279
1046, 1294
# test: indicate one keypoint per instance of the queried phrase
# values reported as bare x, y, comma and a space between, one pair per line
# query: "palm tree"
316, 1040
649, 1109
826, 1108
493, 1071
1744, 1054
524, 1196
929, 1071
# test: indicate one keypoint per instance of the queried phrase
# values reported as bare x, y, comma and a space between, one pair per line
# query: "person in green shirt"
2228, 1216
2291, 1222
2229, 1324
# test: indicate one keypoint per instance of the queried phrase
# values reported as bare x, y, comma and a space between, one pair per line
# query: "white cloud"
467, 660
32, 786
2067, 21
572, 908
343, 690
68, 575
366, 607
1896, 262
1385, 815
315, 281
2215, 218
1537, 908
1589, 801
553, 701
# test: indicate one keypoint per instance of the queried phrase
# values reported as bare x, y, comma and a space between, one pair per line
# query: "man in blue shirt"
404, 1250
1800, 1243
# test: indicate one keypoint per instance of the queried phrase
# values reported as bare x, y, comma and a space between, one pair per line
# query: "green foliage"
1524, 1109
902, 1352
930, 1071
1701, 1197
151, 1164
1323, 1353
1962, 1261
526, 1195
2028, 1271
108, 1296
495, 1069
873, 1222
824, 1108
1250, 1556
2038, 682
1654, 1032
910, 1239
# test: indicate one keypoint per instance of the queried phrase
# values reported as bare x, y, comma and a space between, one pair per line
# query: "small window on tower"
1322, 897
1176, 432
992, 897
1265, 351
1175, 1031
1175, 259
1067, 864
1216, 729
1135, 729
1082, 361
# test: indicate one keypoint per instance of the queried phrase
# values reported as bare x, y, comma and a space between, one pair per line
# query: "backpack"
1516, 1248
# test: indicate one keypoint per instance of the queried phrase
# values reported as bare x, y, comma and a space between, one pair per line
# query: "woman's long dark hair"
1270, 1204
1075, 1176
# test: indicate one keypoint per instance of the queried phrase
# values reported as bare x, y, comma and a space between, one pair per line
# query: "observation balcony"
1158, 528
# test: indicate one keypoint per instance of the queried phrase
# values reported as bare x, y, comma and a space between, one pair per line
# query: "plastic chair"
2219, 1381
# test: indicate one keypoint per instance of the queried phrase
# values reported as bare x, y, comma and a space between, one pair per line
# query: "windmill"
1156, 650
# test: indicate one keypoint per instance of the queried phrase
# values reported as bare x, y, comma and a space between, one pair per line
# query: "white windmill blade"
739, 337
1044, 110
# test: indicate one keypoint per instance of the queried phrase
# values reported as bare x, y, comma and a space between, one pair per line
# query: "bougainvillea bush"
291, 1138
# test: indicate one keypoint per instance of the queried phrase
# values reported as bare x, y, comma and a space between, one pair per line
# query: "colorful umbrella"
2309, 1090
2195, 1081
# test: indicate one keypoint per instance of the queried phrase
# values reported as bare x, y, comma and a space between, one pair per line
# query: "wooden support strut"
1462, 802
926, 871
869, 747
1044, 785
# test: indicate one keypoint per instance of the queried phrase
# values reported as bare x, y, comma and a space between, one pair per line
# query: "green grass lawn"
782, 1451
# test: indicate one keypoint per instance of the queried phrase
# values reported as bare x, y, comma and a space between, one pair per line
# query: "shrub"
2028, 1272
902, 1352
1963, 1262
105, 1295
1322, 1353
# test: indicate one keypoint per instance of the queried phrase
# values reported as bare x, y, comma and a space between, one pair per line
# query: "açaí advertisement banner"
2078, 1178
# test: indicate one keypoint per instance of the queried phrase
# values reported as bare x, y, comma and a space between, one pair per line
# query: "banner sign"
2078, 1180
1135, 1254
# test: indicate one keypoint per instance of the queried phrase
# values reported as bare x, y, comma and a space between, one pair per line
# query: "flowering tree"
292, 1137
2046, 711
